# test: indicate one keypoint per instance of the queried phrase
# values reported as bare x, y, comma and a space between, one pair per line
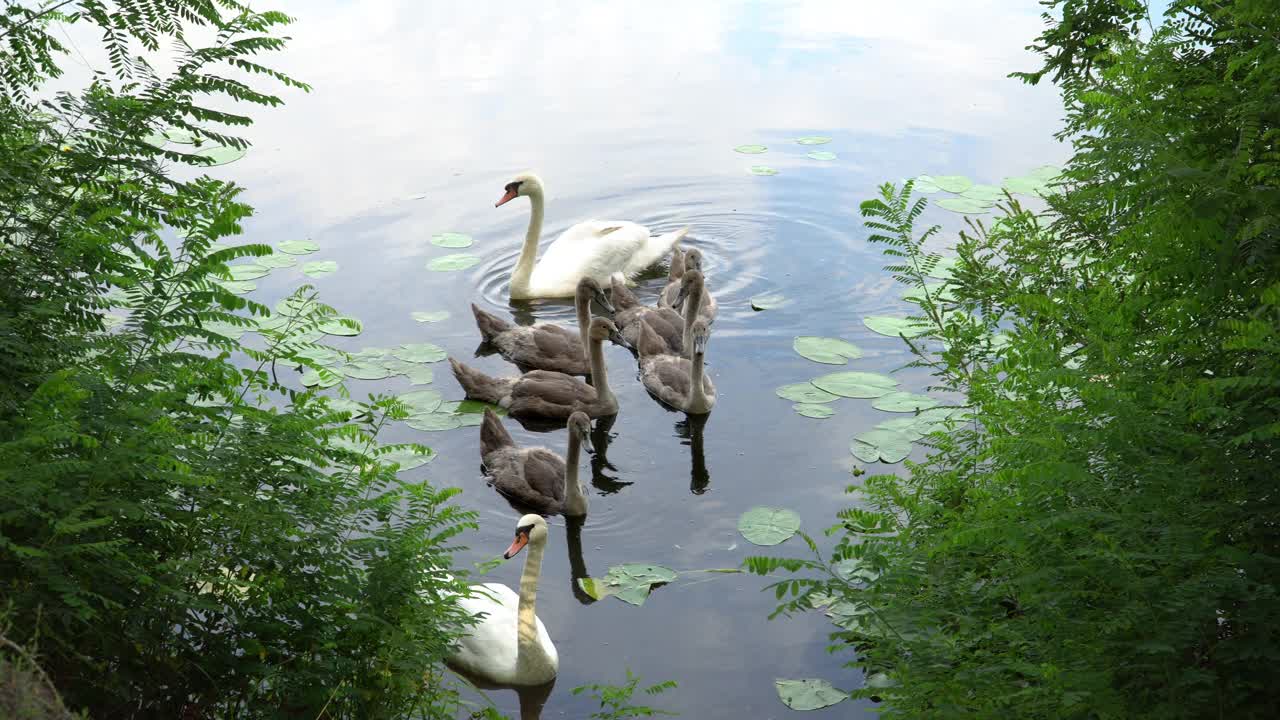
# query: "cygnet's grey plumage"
546, 346
535, 478
630, 314
678, 382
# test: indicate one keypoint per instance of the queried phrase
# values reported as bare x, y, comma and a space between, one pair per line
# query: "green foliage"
1095, 537
615, 700
181, 533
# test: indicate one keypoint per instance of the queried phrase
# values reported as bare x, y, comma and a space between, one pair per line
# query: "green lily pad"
805, 393
952, 183
237, 287
967, 206
894, 327
813, 140
221, 154
830, 351
903, 402
472, 407
937, 291
430, 317
456, 261
451, 240
768, 525
366, 370
294, 306
247, 272
925, 184
761, 170
1026, 186
320, 378
297, 247
323, 356
421, 402
335, 326
408, 457
227, 330
418, 374
320, 268
985, 193
750, 149
881, 445
944, 269
856, 384
808, 694
180, 136
1046, 173
629, 583
277, 260
769, 301
811, 410
821, 155
420, 353
434, 422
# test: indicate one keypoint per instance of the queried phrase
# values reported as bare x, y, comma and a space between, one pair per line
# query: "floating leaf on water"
277, 260
630, 583
761, 170
297, 247
856, 384
451, 240
221, 154
366, 370
472, 407
420, 352
320, 378
180, 136
339, 404
881, 445
750, 149
421, 402
967, 206
294, 306
320, 268
821, 155
952, 183
937, 291
879, 681
237, 287
925, 184
417, 374
434, 422
830, 351
595, 588
155, 139
247, 272
409, 457
769, 301
320, 355
430, 317
1026, 186
227, 330
335, 326
809, 694
811, 410
805, 393
1046, 173
895, 327
456, 261
813, 140
986, 193
943, 269
903, 402
768, 525
908, 427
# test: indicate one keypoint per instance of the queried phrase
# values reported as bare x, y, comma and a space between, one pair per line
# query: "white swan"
595, 249
510, 646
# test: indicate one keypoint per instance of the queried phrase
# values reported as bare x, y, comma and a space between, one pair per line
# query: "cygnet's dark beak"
586, 441
605, 302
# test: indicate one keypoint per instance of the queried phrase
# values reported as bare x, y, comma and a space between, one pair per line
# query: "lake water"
422, 111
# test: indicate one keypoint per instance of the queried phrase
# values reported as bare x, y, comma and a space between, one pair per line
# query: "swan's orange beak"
508, 197
522, 539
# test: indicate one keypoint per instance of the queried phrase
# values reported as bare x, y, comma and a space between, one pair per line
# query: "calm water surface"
422, 111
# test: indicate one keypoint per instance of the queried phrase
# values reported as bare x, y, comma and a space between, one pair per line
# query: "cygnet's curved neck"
582, 304
698, 400
529, 253
599, 378
575, 501
692, 304
531, 658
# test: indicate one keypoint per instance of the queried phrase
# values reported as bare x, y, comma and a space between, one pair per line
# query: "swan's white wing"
596, 249
489, 650
652, 250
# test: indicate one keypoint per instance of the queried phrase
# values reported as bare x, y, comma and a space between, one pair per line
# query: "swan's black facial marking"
524, 530
513, 186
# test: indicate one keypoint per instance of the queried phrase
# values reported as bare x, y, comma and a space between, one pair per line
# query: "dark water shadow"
577, 563
532, 697
600, 439
690, 431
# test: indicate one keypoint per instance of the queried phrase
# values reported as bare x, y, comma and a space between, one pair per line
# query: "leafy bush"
181, 534
1099, 538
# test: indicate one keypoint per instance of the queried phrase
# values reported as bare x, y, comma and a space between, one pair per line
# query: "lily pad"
420, 353
811, 410
805, 393
297, 247
323, 356
456, 261
421, 402
237, 287
769, 301
925, 184
967, 206
366, 370
937, 291
180, 136
830, 351
986, 193
630, 583
809, 694
813, 140
768, 526
750, 149
451, 240
944, 269
434, 422
430, 317
1046, 173
320, 268
952, 183
221, 154
856, 384
294, 306
227, 330
903, 402
881, 445
761, 170
320, 378
247, 271
895, 327
417, 374
409, 457
335, 326
277, 260
473, 407
1026, 186
821, 155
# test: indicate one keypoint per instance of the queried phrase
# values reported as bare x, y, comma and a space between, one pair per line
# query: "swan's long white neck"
529, 253
600, 379
531, 658
575, 502
698, 400
583, 305
692, 303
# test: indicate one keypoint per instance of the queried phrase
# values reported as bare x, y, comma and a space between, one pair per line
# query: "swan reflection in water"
690, 431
